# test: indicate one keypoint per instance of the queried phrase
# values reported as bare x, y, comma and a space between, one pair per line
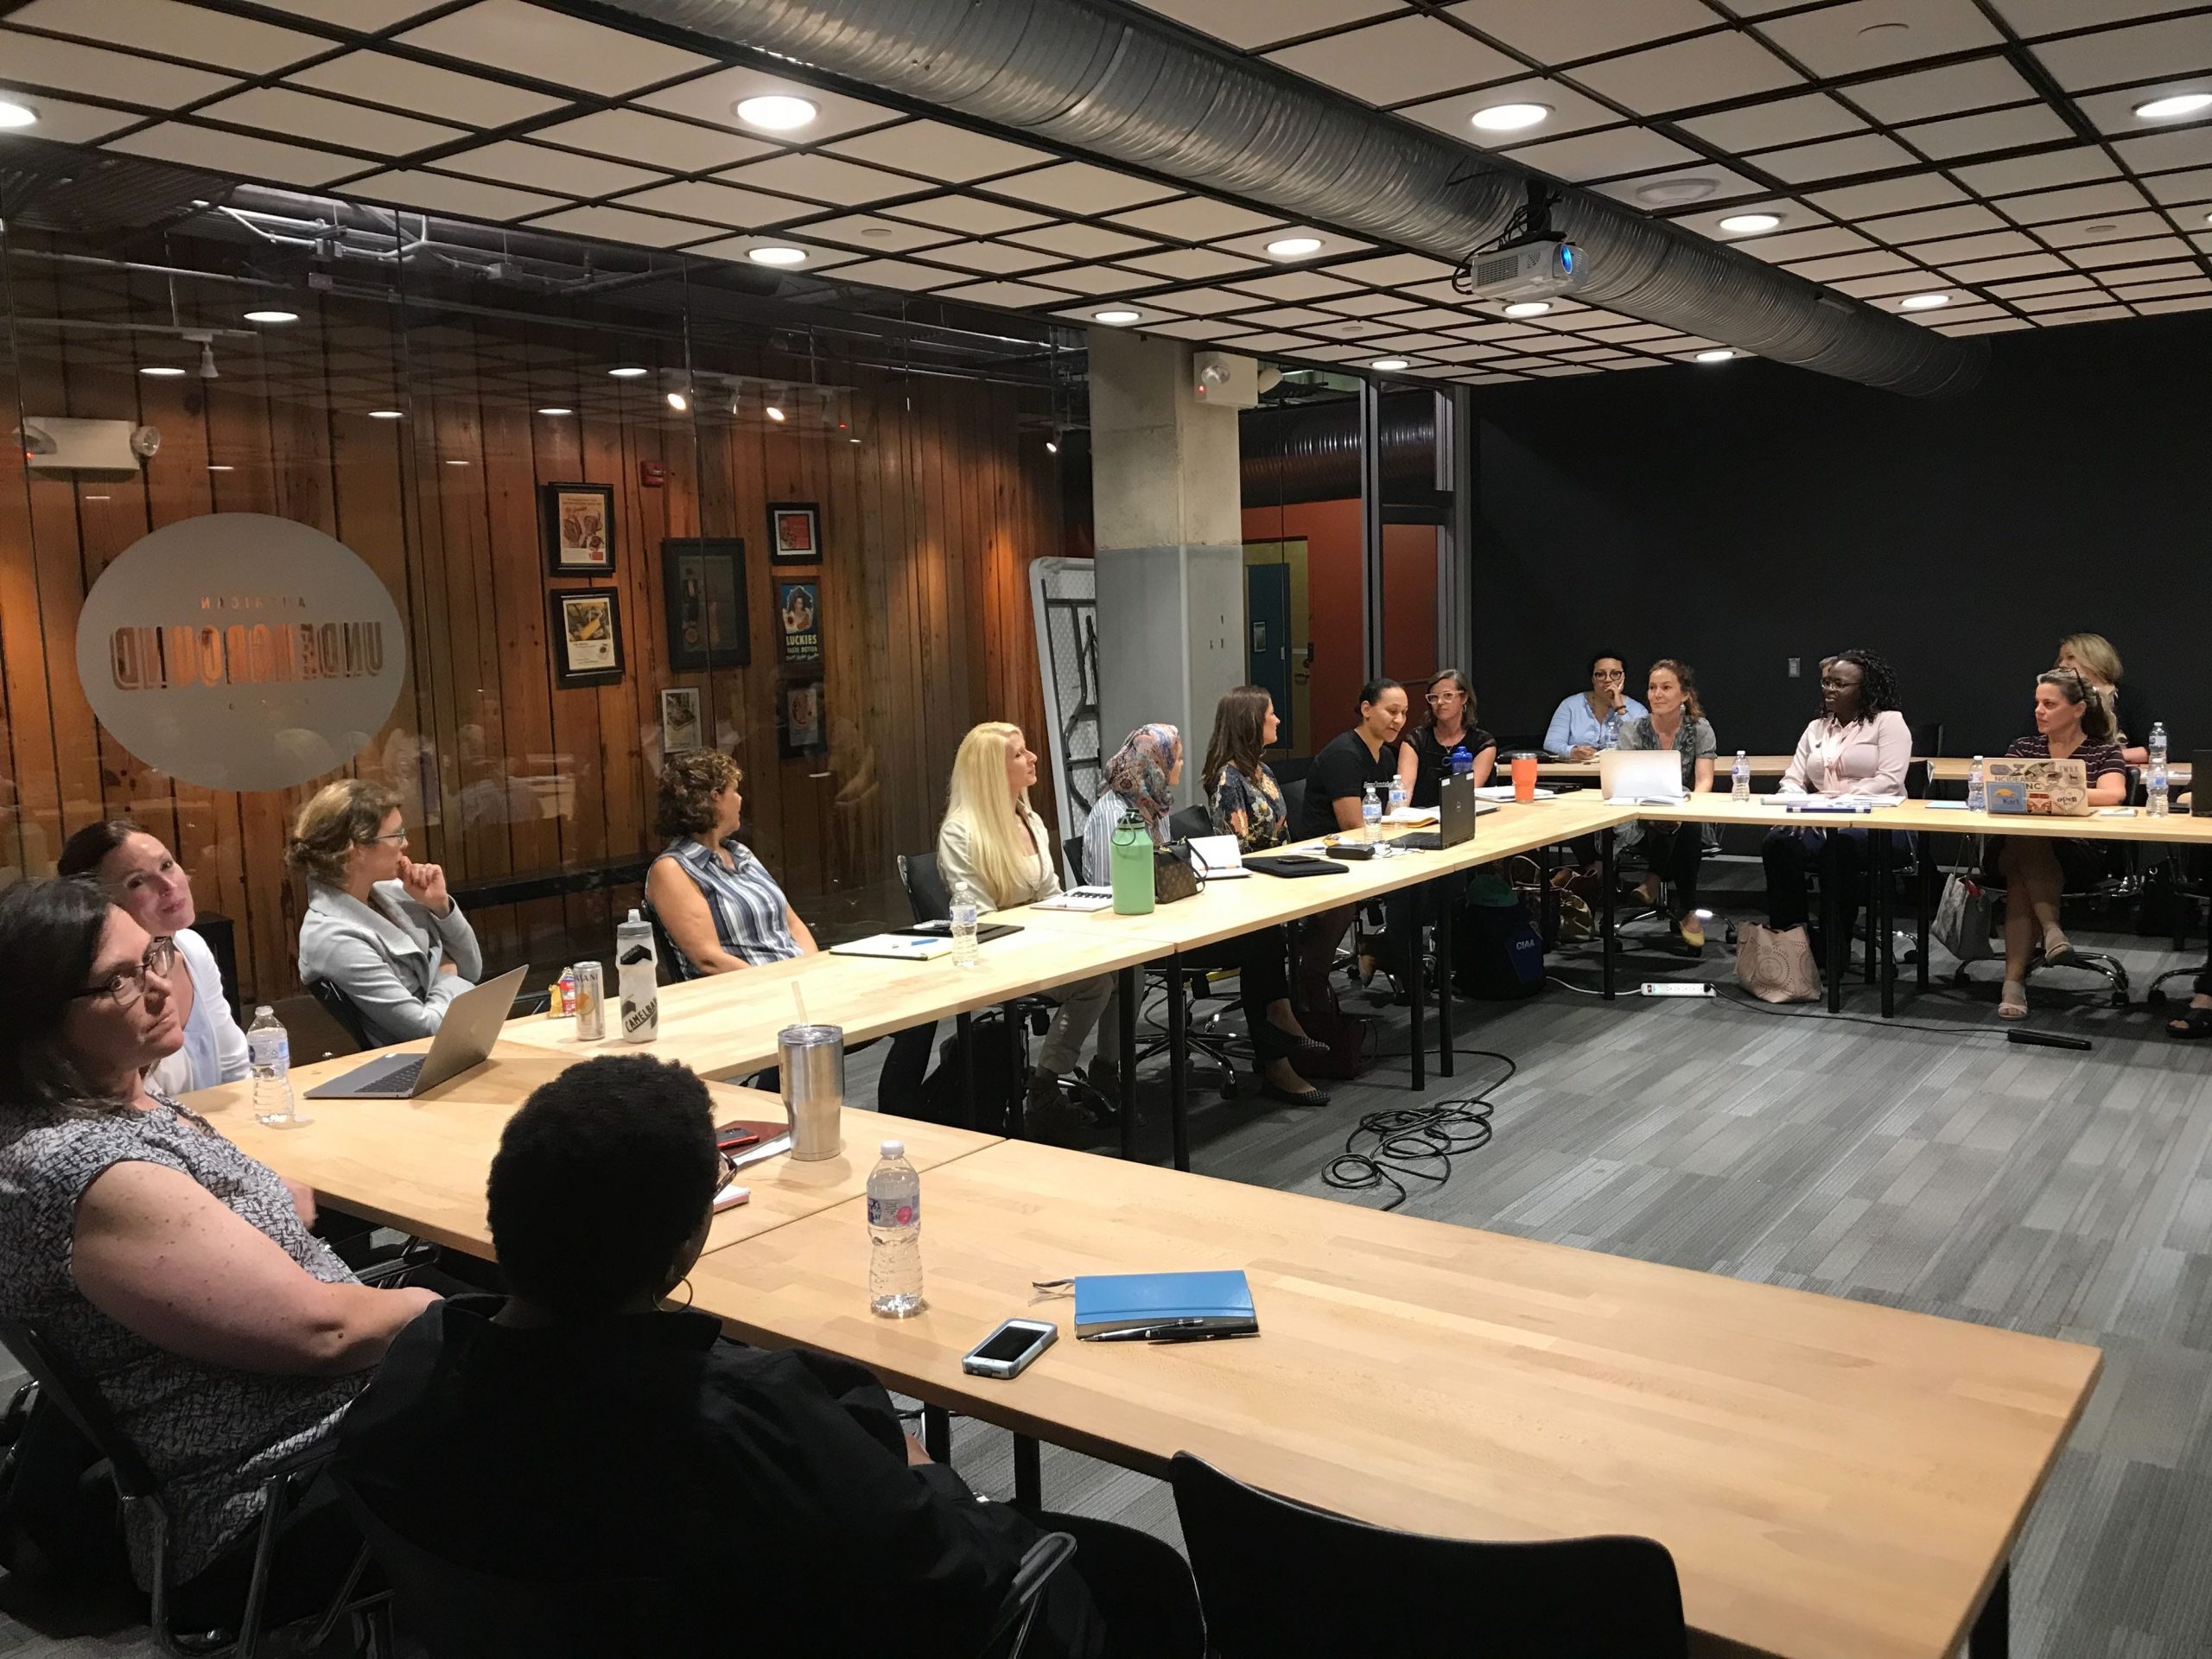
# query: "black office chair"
1293, 804
1279, 1580
142, 1507
340, 1006
669, 966
460, 1614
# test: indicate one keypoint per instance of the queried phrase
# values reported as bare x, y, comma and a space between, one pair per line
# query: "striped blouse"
748, 905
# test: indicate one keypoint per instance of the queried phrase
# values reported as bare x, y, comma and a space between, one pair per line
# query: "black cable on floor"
1417, 1143
1735, 998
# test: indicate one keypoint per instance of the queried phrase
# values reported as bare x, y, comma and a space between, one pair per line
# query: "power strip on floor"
1676, 988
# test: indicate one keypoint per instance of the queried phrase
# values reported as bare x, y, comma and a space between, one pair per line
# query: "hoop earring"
685, 1283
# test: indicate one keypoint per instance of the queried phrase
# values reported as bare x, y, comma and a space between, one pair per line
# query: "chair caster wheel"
1230, 1089
2120, 999
2155, 997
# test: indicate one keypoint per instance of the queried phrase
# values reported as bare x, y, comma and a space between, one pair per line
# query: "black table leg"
936, 1434
1606, 878
1839, 950
1886, 920
1446, 904
1992, 1635
1417, 994
1017, 1121
961, 1024
1178, 1063
1127, 981
1028, 1472
1924, 905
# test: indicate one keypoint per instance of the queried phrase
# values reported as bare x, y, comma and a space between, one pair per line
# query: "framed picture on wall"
579, 525
799, 718
702, 585
794, 532
679, 720
586, 636
799, 607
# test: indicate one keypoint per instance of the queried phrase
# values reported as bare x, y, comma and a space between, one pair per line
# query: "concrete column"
1167, 517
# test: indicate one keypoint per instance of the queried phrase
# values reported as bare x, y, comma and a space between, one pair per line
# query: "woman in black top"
1426, 759
2092, 657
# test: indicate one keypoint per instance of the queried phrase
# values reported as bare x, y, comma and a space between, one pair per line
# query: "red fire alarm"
651, 474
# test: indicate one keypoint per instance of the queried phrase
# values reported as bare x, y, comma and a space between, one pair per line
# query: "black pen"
1198, 1330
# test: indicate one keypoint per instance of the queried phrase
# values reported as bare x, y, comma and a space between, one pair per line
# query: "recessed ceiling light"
2173, 108
776, 111
1528, 308
1387, 364
678, 402
99, 498
161, 371
1750, 223
13, 114
878, 231
773, 413
556, 411
387, 415
2099, 229
1509, 117
1891, 28
1118, 316
1295, 247
1923, 302
272, 316
456, 463
213, 468
1051, 448
776, 256
629, 373
1668, 192
1719, 356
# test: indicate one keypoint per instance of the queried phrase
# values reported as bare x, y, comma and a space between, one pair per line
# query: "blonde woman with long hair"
2093, 657
993, 842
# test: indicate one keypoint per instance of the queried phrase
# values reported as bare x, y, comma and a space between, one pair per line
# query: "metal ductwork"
1117, 83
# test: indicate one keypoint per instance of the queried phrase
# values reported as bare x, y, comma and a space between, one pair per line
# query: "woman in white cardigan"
993, 843
379, 925
1858, 746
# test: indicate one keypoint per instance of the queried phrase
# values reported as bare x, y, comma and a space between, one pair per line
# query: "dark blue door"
1267, 613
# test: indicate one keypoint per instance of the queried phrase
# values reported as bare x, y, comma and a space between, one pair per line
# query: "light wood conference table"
1763, 766
1835, 1480
1224, 910
420, 1165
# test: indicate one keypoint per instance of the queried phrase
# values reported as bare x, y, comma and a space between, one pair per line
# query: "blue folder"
1164, 1306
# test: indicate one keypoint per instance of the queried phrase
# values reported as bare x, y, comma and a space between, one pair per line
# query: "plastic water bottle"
894, 1236
1397, 793
1370, 813
269, 1047
2156, 790
1462, 763
965, 954
1739, 779
1977, 786
638, 986
2157, 743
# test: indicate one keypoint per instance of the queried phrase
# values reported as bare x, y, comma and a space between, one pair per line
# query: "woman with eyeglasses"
1590, 720
379, 926
1447, 736
142, 877
172, 1276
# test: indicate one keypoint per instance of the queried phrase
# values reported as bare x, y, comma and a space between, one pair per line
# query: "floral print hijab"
1138, 773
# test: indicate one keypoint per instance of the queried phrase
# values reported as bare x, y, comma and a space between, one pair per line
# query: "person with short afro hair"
578, 1431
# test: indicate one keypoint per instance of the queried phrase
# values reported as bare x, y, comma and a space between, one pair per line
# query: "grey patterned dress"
210, 1435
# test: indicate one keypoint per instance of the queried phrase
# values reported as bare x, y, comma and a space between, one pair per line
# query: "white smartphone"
1010, 1349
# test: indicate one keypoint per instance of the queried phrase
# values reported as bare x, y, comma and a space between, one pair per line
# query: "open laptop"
1628, 775
472, 1026
1457, 809
2047, 789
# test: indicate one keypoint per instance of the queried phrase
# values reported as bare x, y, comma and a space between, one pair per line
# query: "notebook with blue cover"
1164, 1306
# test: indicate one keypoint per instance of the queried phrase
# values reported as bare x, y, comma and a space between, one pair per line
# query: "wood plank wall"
928, 524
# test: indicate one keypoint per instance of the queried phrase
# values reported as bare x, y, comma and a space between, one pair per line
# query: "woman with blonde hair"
993, 843
1677, 722
2092, 657
379, 926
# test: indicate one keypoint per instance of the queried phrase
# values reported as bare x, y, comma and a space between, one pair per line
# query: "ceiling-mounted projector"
1533, 269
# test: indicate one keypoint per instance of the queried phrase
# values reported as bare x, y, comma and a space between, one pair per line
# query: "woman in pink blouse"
1861, 745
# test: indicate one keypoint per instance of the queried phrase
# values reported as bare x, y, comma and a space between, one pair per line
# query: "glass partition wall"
616, 507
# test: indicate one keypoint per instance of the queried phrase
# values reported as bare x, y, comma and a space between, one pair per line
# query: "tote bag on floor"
1965, 919
1776, 965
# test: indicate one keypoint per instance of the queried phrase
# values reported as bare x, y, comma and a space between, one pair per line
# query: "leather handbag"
1175, 874
1965, 919
1776, 965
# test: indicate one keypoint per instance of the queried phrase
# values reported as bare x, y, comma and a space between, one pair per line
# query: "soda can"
591, 1002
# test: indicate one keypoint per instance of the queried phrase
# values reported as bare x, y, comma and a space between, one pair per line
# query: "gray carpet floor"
1923, 1164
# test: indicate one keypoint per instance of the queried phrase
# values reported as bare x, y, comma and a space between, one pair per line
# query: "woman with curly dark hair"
1859, 745
717, 903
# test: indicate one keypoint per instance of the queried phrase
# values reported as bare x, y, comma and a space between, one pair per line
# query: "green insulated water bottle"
1132, 867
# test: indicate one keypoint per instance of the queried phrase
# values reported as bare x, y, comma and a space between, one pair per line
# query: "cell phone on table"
1010, 1349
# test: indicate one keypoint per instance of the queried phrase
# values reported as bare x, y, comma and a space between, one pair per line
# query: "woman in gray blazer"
379, 926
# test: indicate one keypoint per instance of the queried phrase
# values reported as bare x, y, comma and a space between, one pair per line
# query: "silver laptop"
472, 1026
1626, 776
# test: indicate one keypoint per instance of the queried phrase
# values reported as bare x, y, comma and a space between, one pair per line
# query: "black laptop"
1457, 809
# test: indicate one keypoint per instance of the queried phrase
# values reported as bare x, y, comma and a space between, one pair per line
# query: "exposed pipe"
1119, 84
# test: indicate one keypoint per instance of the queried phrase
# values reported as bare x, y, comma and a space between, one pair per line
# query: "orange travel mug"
1524, 776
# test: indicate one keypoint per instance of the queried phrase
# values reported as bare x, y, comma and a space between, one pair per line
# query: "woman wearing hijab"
1140, 779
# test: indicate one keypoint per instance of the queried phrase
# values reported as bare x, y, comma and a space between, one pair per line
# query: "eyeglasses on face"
1610, 674
397, 837
125, 988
